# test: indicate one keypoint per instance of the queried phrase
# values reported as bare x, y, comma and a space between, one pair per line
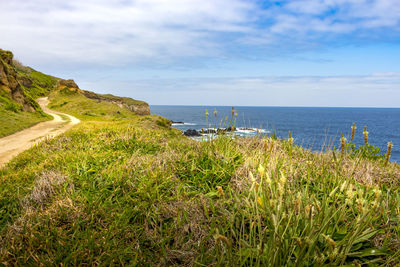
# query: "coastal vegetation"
126, 189
123, 189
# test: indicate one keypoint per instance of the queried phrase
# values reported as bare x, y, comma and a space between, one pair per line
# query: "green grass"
11, 122
76, 104
42, 84
123, 189
14, 119
126, 100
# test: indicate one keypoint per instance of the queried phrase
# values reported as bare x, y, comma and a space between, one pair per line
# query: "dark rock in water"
230, 129
207, 131
191, 132
221, 131
178, 122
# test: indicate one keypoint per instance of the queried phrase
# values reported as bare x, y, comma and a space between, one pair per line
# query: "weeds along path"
14, 144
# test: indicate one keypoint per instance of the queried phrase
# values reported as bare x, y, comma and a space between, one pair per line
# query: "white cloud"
376, 90
115, 32
119, 31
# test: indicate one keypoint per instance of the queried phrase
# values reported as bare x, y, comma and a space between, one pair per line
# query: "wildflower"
261, 170
342, 144
353, 131
235, 114
290, 139
377, 192
374, 204
253, 180
259, 201
350, 194
389, 151
215, 112
365, 133
281, 185
268, 179
206, 112
220, 191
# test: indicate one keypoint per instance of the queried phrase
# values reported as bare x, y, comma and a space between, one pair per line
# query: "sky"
330, 53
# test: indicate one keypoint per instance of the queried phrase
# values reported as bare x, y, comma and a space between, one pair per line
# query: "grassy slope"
11, 122
84, 108
12, 117
125, 189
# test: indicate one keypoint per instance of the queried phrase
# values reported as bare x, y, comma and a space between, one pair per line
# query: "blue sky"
215, 52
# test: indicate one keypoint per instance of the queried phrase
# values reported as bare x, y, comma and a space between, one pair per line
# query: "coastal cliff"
137, 106
12, 83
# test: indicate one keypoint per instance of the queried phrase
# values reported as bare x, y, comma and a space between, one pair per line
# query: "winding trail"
14, 144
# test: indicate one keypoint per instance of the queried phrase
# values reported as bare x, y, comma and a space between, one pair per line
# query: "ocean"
311, 127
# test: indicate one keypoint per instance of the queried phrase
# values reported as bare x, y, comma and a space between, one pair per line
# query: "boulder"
68, 83
191, 132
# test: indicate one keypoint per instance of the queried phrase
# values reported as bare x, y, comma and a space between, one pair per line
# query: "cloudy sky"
215, 52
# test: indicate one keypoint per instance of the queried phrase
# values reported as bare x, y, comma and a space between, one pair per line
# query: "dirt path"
16, 143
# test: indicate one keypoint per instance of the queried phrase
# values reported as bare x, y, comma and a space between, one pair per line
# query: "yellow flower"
253, 180
259, 201
377, 192
350, 192
268, 179
220, 191
261, 170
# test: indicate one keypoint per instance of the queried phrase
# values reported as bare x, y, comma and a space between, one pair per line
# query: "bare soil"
14, 144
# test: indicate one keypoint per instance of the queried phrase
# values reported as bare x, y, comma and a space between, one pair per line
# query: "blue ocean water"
311, 127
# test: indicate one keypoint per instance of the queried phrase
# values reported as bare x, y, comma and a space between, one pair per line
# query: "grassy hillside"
124, 189
76, 104
20, 86
11, 121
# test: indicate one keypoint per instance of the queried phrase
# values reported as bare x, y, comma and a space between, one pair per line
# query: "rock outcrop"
192, 132
139, 107
10, 85
68, 83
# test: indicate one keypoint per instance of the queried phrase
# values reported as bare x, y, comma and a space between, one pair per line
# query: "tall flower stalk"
353, 131
365, 133
389, 151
